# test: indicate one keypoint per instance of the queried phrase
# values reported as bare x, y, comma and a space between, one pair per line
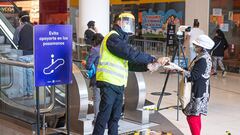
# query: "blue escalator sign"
52, 54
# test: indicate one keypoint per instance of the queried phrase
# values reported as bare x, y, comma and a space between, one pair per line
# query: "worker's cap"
204, 41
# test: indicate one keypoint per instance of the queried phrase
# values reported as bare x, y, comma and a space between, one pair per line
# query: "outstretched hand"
153, 66
163, 60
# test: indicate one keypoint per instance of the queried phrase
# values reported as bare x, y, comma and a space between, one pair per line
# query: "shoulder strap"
216, 46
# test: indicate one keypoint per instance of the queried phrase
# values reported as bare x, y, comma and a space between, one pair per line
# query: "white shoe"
224, 73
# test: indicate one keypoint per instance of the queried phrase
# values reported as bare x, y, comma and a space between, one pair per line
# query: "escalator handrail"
7, 23
7, 29
6, 100
50, 107
6, 61
57, 89
10, 84
7, 33
10, 102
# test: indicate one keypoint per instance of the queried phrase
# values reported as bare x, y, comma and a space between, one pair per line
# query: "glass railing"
17, 91
7, 23
6, 32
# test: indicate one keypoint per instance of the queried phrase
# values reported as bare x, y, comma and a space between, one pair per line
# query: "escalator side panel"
78, 100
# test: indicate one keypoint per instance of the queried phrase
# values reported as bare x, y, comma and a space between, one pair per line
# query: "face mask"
196, 49
128, 25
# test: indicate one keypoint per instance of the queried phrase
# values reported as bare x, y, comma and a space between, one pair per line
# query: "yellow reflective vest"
111, 69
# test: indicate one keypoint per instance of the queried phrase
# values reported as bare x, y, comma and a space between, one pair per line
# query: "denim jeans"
27, 75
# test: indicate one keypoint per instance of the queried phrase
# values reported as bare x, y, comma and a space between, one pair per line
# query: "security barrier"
156, 48
82, 50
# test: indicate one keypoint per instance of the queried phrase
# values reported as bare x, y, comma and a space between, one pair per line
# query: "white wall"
97, 10
197, 9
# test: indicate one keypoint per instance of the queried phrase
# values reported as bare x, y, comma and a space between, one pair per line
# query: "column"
197, 9
97, 10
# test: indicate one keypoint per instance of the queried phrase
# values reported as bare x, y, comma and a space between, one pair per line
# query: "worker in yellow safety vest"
117, 57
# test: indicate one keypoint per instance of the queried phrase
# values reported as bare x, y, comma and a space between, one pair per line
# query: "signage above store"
119, 2
7, 9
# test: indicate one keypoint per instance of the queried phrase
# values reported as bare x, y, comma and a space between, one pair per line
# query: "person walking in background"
192, 35
91, 66
117, 57
88, 34
217, 52
199, 75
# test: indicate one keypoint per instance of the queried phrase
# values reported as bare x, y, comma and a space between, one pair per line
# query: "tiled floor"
8, 128
223, 110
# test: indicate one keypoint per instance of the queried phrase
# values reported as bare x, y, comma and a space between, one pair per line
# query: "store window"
153, 18
40, 11
225, 14
53, 11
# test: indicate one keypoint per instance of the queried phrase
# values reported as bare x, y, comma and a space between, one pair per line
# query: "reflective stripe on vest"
111, 68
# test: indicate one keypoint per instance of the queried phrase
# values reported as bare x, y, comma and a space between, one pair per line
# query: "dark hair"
97, 39
196, 23
220, 33
116, 18
91, 24
24, 16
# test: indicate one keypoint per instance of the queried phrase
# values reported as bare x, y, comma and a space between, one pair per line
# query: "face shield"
128, 23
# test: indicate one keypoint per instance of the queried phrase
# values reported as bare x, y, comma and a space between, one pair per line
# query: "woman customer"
199, 75
217, 51
92, 63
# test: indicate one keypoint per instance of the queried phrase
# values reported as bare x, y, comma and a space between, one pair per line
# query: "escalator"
13, 104
21, 110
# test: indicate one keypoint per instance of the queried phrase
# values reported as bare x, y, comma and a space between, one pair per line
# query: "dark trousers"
110, 109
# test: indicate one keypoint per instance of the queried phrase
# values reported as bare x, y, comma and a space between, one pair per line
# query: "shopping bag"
184, 92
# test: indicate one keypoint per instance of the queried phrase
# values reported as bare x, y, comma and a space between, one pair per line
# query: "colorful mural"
155, 24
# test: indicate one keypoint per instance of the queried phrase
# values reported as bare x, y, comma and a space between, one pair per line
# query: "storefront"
225, 14
40, 11
152, 16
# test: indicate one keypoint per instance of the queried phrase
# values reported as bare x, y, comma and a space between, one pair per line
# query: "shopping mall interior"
150, 103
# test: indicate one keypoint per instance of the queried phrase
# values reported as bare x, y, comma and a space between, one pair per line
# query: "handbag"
184, 92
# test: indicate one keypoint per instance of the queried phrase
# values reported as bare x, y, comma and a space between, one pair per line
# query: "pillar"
53, 11
197, 9
97, 10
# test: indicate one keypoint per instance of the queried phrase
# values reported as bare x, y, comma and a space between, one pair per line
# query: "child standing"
92, 62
